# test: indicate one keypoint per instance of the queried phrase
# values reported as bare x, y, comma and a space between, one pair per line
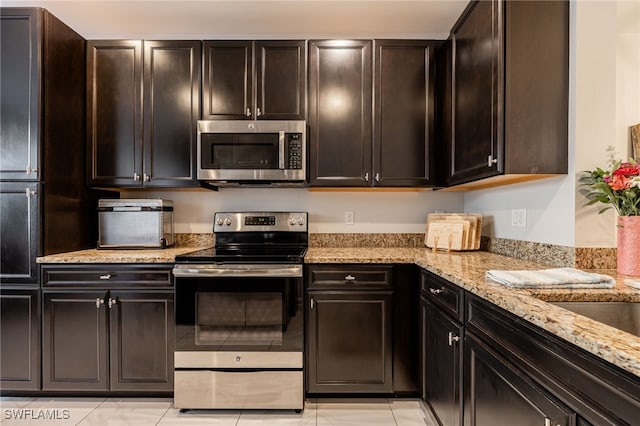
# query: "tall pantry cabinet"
45, 207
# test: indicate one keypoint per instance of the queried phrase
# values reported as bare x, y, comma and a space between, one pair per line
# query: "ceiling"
254, 19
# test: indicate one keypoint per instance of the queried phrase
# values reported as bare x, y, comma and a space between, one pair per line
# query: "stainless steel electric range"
239, 317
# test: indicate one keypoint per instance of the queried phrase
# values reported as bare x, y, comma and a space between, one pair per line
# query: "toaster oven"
135, 223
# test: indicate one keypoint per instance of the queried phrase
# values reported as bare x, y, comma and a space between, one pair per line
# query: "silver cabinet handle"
146, 177
311, 304
111, 302
491, 161
105, 277
99, 302
349, 278
30, 170
248, 113
258, 112
453, 338
366, 177
136, 177
377, 177
30, 193
435, 290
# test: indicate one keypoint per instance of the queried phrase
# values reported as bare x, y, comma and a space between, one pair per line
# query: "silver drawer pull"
112, 302
99, 302
435, 290
349, 278
105, 277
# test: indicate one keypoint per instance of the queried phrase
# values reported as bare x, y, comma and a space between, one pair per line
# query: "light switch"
348, 217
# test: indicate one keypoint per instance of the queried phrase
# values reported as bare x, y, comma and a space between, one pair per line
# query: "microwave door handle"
281, 150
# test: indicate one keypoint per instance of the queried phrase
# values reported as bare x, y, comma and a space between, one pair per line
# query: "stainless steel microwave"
252, 152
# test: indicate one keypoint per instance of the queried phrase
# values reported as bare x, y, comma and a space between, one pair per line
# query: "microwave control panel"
294, 150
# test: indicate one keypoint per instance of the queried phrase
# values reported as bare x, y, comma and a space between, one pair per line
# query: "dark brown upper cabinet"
403, 129
143, 103
509, 92
340, 77
249, 80
371, 113
45, 207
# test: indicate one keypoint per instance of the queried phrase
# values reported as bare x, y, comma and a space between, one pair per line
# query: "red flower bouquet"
618, 186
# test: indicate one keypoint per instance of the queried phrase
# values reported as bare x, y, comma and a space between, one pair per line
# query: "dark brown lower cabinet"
19, 339
499, 394
441, 364
349, 346
75, 341
107, 328
141, 341
108, 341
349, 342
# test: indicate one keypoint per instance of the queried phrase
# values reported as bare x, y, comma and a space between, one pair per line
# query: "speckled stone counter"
167, 255
467, 269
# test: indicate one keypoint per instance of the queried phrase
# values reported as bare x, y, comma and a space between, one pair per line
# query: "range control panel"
260, 221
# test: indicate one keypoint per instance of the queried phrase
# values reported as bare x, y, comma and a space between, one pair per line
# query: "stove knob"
220, 221
292, 221
227, 221
300, 221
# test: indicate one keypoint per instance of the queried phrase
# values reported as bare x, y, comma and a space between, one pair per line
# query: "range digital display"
260, 221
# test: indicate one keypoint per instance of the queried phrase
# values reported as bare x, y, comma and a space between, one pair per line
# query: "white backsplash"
374, 211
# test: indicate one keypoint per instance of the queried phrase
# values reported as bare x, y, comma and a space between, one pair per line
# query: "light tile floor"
160, 411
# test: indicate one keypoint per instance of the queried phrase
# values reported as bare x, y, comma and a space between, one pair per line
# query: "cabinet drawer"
349, 276
444, 294
107, 275
239, 389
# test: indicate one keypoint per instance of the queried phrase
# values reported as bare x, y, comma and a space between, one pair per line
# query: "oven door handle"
259, 271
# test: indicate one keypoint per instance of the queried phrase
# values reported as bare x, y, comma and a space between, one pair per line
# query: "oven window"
240, 151
247, 314
239, 319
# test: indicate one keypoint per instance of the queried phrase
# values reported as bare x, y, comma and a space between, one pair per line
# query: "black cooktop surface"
247, 253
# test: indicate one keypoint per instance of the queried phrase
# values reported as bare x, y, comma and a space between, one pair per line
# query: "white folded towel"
551, 278
632, 282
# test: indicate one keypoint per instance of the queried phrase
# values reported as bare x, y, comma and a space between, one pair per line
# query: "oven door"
238, 308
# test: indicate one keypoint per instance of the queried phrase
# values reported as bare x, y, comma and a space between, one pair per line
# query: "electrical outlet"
519, 218
348, 217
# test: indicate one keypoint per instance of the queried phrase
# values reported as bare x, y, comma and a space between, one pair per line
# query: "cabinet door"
171, 109
19, 206
340, 113
114, 112
497, 393
477, 138
19, 340
404, 113
227, 90
280, 79
20, 47
441, 364
349, 342
141, 327
74, 341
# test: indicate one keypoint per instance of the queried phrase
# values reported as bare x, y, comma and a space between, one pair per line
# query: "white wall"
383, 212
604, 102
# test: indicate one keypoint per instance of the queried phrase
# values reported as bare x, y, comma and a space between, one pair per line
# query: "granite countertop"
167, 255
466, 269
